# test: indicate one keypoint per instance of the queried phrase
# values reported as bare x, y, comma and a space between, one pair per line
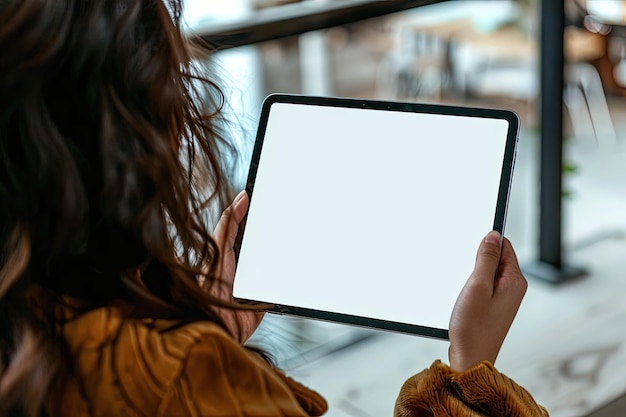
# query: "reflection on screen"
368, 212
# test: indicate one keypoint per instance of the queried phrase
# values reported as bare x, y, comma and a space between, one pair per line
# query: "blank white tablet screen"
369, 213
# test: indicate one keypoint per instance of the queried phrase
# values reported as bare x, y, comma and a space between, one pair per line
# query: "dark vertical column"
551, 120
550, 266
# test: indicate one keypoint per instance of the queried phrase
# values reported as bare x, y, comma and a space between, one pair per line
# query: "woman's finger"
228, 225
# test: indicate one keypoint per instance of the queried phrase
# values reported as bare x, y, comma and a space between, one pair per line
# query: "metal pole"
550, 266
551, 119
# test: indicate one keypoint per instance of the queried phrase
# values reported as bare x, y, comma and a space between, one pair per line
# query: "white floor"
568, 344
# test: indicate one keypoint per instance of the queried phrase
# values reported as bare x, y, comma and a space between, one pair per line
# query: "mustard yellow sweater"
139, 367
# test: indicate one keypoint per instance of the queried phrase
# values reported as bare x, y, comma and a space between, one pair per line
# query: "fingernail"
241, 194
493, 237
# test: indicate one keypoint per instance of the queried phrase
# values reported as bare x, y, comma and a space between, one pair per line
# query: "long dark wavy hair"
110, 149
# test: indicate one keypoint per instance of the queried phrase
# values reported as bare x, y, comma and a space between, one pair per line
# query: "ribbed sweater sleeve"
481, 391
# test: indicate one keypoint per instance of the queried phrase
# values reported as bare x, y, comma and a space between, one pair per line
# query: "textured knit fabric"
124, 367
478, 392
132, 367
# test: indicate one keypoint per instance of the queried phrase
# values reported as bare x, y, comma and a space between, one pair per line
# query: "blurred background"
567, 213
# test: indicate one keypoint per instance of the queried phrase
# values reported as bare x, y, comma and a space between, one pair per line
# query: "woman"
115, 299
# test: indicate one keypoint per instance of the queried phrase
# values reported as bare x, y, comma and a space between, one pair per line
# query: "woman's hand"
241, 323
487, 305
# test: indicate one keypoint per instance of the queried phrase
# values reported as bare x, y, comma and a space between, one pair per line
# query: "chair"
506, 65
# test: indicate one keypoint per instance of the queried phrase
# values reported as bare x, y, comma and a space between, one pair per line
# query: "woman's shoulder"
166, 365
132, 361
112, 328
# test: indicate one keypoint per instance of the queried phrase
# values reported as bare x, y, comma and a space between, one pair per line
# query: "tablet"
370, 213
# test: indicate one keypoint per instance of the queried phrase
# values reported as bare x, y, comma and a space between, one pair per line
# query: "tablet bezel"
501, 205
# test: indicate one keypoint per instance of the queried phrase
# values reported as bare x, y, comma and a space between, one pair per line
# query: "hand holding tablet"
352, 201
486, 307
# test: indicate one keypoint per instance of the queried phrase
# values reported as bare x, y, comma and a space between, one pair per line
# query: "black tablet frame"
501, 206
